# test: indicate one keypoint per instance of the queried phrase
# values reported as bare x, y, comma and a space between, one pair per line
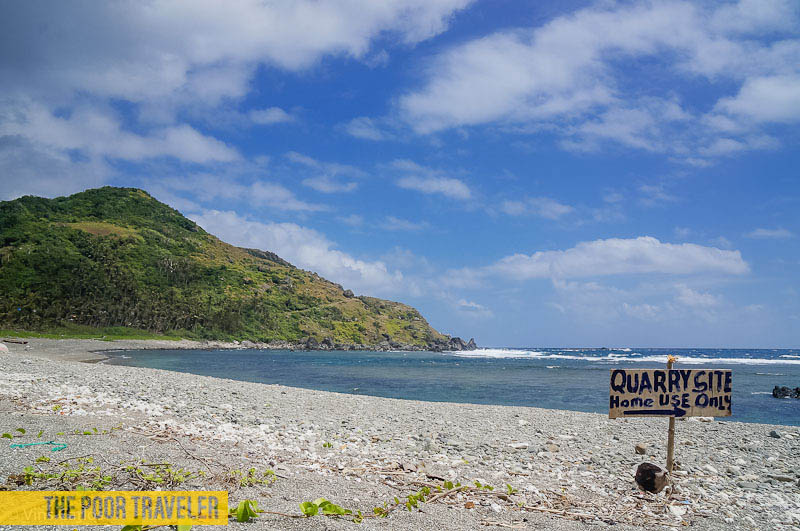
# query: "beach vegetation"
19, 433
324, 507
251, 477
83, 474
245, 511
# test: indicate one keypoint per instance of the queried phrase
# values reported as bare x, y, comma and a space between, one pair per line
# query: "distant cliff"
116, 257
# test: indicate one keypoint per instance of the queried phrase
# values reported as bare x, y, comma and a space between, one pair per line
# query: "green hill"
116, 257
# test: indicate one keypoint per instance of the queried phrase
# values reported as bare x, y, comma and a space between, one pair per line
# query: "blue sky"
574, 174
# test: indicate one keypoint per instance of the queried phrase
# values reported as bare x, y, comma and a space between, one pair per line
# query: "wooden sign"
670, 393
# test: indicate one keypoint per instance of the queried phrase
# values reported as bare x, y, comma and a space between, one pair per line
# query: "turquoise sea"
558, 378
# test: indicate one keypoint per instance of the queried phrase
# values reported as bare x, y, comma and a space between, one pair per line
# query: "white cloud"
570, 75
28, 169
468, 306
766, 99
749, 16
303, 247
327, 185
353, 220
429, 181
97, 48
326, 178
663, 303
272, 115
99, 133
543, 207
770, 234
394, 223
327, 168
695, 299
168, 61
210, 189
616, 256
655, 195
436, 185
721, 242
366, 128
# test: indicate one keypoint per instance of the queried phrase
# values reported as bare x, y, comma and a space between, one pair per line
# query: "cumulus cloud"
613, 256
616, 256
98, 132
572, 74
770, 234
97, 48
766, 99
167, 62
303, 247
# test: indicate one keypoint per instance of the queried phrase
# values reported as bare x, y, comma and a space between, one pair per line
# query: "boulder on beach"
651, 478
3, 348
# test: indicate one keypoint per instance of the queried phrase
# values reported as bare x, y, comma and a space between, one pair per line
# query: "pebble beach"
548, 469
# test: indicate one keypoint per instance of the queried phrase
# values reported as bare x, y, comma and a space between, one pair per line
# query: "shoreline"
362, 451
90, 350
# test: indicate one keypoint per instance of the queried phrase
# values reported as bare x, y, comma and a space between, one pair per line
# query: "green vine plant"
7, 435
82, 473
251, 477
245, 511
427, 494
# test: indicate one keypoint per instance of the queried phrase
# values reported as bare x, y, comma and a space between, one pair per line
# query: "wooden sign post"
671, 431
670, 393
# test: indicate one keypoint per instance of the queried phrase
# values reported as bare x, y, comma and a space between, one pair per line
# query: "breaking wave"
619, 355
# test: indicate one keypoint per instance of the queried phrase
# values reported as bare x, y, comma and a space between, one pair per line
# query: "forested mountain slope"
118, 257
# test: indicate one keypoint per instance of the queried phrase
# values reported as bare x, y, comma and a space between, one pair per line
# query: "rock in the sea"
785, 392
452, 343
640, 449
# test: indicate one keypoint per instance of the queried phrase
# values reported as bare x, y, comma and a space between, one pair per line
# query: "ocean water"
557, 378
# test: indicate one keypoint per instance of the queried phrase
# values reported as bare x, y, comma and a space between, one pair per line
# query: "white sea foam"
497, 353
795, 356
616, 357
